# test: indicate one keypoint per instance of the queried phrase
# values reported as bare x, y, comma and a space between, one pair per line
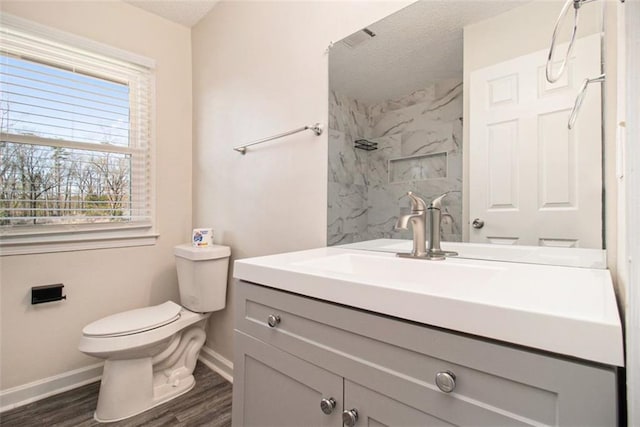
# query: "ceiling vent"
358, 37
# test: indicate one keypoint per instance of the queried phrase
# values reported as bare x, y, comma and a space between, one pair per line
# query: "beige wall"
260, 68
41, 341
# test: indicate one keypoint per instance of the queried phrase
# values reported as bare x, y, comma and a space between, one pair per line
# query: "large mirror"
451, 97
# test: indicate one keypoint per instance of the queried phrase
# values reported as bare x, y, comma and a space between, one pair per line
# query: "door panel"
533, 181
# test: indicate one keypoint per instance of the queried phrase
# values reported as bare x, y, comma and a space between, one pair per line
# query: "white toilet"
151, 352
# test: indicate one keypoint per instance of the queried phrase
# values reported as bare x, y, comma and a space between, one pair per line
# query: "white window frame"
61, 238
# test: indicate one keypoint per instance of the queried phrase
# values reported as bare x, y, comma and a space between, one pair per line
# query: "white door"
533, 181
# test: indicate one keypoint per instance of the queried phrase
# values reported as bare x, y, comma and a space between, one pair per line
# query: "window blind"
75, 145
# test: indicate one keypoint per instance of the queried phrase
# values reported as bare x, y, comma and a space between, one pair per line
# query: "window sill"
76, 241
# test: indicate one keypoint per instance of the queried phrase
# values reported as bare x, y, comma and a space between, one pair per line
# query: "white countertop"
565, 310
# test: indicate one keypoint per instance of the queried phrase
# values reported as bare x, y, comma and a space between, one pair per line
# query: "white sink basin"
409, 274
565, 310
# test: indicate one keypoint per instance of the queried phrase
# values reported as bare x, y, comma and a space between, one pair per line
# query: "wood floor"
207, 404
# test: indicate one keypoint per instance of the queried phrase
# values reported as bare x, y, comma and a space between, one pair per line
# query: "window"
75, 146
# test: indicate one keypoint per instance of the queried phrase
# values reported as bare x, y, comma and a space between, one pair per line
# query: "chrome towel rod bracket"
581, 95
316, 128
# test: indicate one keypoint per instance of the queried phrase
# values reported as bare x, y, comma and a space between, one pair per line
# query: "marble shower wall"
419, 140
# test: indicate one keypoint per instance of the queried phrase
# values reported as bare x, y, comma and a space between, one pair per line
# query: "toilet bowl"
150, 353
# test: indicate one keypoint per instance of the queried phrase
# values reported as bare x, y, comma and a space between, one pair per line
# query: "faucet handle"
417, 204
437, 202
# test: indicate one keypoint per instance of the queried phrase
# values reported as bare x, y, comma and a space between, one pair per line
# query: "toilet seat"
134, 321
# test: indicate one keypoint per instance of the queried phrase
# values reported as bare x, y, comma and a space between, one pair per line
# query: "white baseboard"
31, 392
217, 363
36, 390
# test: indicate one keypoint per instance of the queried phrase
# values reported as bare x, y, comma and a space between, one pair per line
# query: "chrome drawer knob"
328, 405
273, 320
446, 381
350, 417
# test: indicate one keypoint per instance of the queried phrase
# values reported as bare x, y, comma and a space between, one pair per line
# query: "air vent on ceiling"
358, 37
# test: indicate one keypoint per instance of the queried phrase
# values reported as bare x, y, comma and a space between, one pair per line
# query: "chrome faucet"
421, 218
418, 218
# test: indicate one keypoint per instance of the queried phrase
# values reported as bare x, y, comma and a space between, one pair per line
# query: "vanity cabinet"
294, 351
279, 389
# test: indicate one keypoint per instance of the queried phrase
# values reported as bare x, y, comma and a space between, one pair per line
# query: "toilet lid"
134, 321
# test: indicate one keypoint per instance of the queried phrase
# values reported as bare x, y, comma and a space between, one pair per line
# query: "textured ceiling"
185, 12
416, 46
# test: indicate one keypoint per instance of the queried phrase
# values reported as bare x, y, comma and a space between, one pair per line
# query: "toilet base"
132, 386
166, 398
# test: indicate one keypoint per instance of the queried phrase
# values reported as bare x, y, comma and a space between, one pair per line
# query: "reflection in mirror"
450, 97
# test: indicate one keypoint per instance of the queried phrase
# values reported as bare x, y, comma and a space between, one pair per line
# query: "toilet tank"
202, 276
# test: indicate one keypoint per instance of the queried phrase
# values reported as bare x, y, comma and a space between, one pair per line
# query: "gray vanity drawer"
495, 384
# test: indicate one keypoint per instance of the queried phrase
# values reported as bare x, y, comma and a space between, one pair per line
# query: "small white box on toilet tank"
202, 276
